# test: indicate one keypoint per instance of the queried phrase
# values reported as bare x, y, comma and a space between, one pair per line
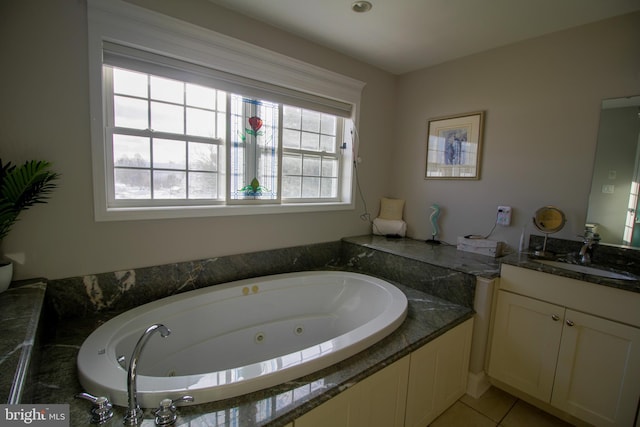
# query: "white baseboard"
477, 384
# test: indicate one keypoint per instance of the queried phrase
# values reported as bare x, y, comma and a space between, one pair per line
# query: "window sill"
173, 212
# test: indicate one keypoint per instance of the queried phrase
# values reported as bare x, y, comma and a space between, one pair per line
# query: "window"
164, 138
310, 160
186, 122
167, 141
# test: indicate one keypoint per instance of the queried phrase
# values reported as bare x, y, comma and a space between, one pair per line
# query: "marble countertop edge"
21, 306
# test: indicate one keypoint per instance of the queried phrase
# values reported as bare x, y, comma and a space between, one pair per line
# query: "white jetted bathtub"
239, 337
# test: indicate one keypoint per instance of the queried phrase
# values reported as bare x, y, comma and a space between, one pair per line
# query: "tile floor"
495, 408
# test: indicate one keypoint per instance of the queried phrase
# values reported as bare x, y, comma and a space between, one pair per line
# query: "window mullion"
280, 151
165, 135
228, 148
186, 140
311, 152
339, 152
109, 118
151, 137
251, 149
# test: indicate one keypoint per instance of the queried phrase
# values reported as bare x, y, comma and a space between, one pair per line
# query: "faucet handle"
102, 410
166, 414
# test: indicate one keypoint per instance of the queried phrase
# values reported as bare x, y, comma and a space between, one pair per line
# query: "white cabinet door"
410, 392
597, 378
377, 401
438, 375
526, 339
335, 412
383, 397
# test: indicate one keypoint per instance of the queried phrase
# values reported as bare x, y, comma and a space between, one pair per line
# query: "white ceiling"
405, 35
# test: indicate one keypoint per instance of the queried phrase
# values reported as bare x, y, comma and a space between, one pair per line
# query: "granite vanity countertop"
526, 261
20, 308
428, 317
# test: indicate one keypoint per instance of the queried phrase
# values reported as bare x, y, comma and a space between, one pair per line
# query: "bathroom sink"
594, 271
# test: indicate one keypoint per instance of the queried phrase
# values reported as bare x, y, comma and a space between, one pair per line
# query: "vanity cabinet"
571, 344
410, 392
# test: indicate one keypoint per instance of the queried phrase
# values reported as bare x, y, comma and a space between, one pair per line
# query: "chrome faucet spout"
586, 251
134, 413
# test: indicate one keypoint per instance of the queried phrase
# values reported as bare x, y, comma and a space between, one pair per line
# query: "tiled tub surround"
439, 299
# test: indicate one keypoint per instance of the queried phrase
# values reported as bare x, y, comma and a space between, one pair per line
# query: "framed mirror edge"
613, 183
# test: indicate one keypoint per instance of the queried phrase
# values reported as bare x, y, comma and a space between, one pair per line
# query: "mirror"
548, 219
613, 201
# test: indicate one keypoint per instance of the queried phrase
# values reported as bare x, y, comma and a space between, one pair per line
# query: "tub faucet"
134, 413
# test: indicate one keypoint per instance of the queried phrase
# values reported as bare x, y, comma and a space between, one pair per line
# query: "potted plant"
20, 188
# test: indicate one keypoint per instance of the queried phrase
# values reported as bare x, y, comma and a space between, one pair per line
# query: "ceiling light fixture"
361, 6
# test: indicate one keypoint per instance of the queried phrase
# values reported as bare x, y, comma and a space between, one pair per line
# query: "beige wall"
44, 114
542, 101
541, 96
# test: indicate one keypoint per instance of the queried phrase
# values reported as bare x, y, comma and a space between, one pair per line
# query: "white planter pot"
6, 274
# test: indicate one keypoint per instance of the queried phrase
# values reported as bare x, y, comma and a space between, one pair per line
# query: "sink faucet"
586, 251
134, 413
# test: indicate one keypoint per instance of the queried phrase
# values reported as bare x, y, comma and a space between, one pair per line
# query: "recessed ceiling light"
361, 6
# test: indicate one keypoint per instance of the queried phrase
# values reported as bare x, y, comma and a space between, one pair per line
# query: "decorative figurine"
434, 224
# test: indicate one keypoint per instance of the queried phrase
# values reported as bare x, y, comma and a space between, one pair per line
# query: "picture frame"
454, 146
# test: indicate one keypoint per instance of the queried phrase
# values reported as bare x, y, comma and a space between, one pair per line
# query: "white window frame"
115, 21
111, 130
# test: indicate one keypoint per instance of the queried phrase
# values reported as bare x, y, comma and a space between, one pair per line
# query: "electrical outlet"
504, 216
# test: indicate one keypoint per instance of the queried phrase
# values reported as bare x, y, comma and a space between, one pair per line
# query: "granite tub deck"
439, 282
428, 317
438, 260
439, 270
20, 309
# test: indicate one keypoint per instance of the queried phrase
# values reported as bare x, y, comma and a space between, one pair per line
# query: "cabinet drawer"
610, 303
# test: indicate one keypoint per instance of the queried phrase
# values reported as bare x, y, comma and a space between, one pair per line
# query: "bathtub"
236, 338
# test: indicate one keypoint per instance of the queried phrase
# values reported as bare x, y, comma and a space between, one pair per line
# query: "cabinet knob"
570, 322
555, 317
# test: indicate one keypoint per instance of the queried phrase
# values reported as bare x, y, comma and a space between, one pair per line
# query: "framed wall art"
454, 145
